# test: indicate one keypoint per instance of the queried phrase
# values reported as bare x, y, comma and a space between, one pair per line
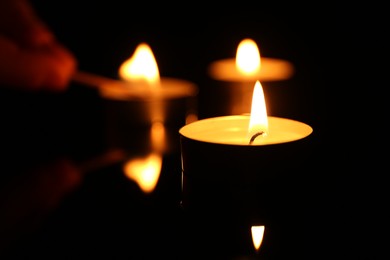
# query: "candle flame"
248, 57
144, 171
141, 66
258, 122
257, 236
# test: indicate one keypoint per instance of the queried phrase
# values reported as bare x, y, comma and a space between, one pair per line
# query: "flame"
258, 122
144, 171
257, 236
248, 57
141, 66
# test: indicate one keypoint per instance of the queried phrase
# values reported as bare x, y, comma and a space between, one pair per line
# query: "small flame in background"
141, 66
257, 236
248, 59
145, 171
258, 119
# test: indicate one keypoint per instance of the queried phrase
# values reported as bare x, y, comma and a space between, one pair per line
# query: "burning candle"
248, 65
232, 167
142, 98
141, 80
231, 164
255, 129
237, 75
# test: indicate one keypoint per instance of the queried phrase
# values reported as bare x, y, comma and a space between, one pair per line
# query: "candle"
142, 98
141, 80
249, 66
232, 166
235, 76
237, 146
232, 130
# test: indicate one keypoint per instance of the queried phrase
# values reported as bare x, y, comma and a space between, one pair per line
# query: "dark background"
340, 203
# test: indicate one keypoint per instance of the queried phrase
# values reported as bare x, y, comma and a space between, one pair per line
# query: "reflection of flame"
144, 171
141, 66
258, 118
158, 136
257, 236
248, 57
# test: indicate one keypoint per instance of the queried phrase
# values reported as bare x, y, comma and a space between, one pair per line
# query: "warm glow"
157, 135
258, 119
144, 171
248, 57
191, 117
142, 66
257, 236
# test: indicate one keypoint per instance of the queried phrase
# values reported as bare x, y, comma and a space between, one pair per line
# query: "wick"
254, 137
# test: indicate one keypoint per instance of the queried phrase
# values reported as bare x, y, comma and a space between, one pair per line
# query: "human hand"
30, 56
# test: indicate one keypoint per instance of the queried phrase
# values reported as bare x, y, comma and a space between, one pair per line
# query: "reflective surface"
103, 214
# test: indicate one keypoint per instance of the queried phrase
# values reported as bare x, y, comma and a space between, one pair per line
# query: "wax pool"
232, 130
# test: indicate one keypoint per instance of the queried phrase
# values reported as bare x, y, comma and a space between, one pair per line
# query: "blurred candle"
237, 75
142, 98
249, 66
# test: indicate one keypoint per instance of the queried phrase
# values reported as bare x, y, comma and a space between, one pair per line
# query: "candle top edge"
168, 88
233, 129
271, 69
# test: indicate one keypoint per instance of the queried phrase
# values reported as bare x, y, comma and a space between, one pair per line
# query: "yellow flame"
248, 57
141, 66
258, 119
144, 171
257, 236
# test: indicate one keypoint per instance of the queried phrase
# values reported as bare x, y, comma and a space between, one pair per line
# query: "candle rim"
282, 70
122, 90
183, 130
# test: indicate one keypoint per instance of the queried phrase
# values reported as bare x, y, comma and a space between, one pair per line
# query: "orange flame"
141, 66
144, 171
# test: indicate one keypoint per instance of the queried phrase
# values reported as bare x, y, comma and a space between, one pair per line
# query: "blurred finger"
47, 68
19, 21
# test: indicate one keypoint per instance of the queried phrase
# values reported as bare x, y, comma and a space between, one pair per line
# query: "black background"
340, 202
